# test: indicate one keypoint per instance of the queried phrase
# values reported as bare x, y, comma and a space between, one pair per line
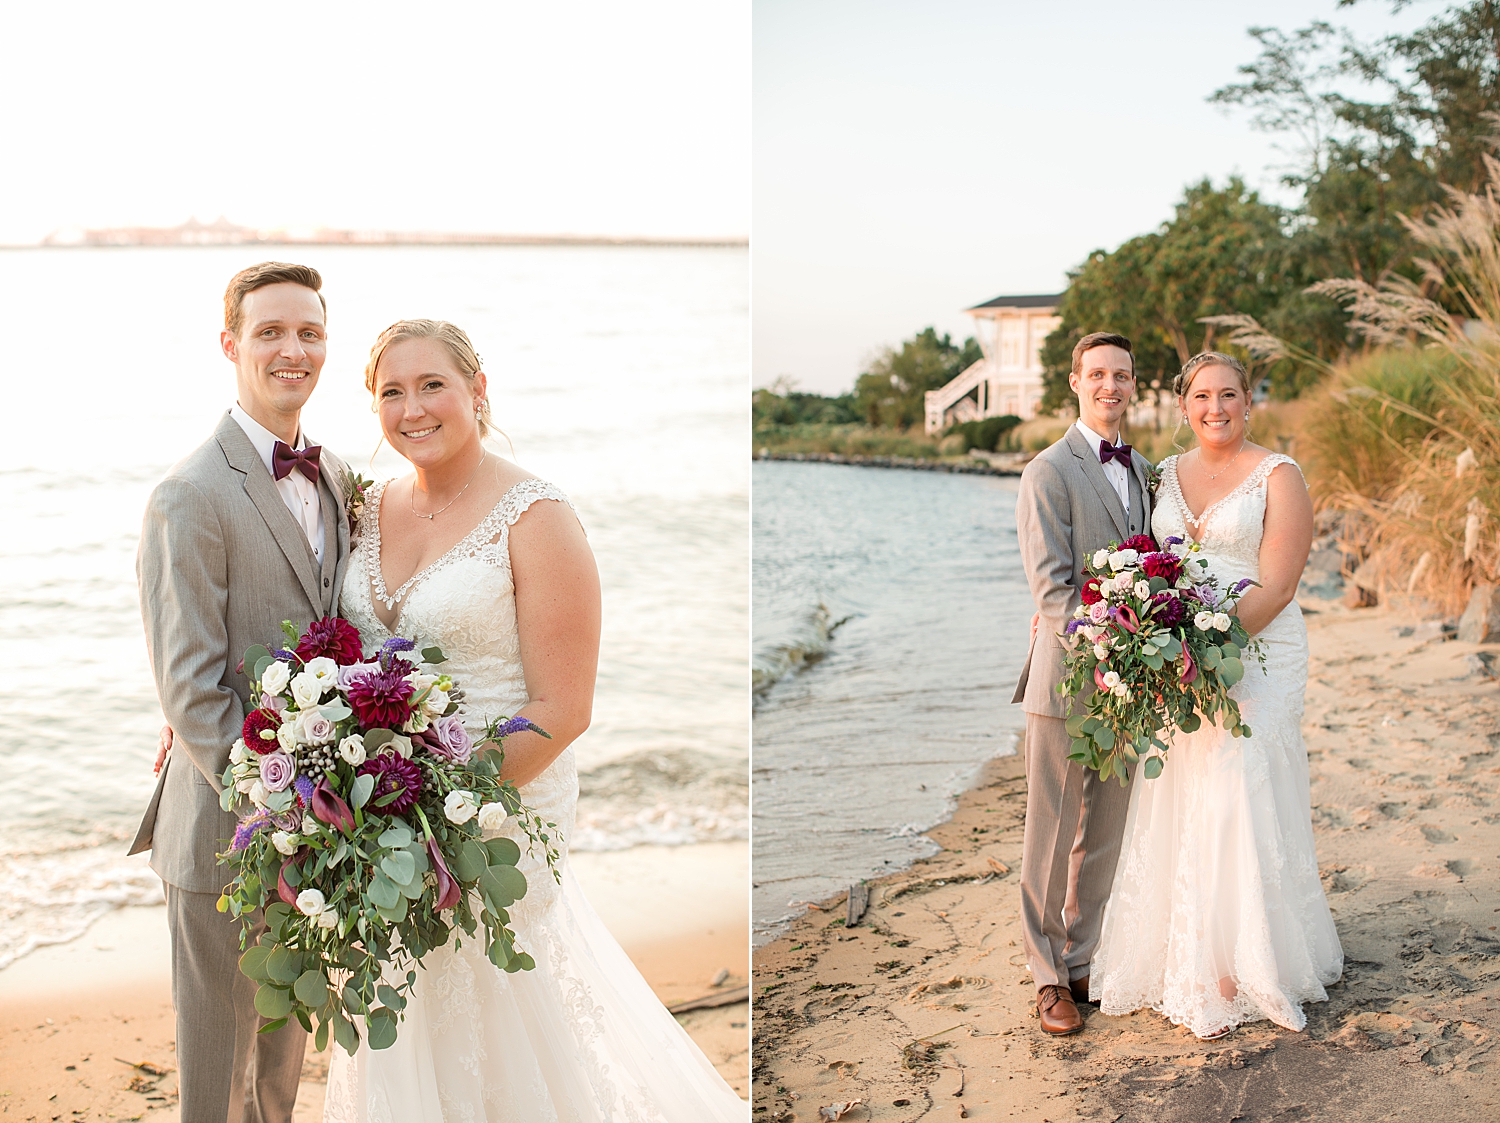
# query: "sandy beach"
926, 1008
87, 1028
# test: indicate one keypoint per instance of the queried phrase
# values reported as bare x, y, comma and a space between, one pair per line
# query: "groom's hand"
1036, 618
164, 742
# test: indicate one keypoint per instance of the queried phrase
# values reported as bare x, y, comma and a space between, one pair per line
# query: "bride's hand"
1036, 618
163, 747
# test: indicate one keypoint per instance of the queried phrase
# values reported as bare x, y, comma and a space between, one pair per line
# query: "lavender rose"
277, 771
346, 675
452, 739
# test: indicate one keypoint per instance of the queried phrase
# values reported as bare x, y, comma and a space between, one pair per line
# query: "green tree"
890, 393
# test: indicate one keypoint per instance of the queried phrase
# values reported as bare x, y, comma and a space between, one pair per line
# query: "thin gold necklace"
450, 502
1224, 469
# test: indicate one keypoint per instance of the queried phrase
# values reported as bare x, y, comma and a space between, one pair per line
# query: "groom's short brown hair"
258, 277
1101, 339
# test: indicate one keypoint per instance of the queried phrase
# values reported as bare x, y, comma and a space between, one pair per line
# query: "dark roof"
1044, 301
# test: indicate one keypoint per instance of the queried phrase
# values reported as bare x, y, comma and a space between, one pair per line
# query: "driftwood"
709, 1001
859, 900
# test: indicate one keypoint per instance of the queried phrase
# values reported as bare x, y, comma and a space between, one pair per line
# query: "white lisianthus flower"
1123, 559
1111, 679
1100, 651
1203, 621
1143, 589
460, 806
245, 783
1124, 581
1101, 558
1121, 691
328, 918
277, 675
399, 745
352, 750
1184, 582
258, 792
436, 703
310, 902
283, 843
307, 689
324, 669
309, 825
1221, 621
286, 737
417, 723
239, 752
492, 816
1080, 612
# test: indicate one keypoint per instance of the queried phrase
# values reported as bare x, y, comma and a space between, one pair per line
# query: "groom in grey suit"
1078, 496
249, 530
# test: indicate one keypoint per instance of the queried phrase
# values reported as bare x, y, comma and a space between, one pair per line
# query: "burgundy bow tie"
284, 458
1108, 452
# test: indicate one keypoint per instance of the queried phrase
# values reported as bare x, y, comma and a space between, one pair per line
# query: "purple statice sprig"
1073, 626
390, 647
517, 725
247, 829
304, 788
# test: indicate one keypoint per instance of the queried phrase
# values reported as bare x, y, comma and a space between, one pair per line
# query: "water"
890, 626
618, 373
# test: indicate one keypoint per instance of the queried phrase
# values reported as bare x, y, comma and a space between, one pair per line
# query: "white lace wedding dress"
1217, 877
581, 1037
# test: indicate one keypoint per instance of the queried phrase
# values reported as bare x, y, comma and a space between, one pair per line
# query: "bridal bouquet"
368, 804
1156, 639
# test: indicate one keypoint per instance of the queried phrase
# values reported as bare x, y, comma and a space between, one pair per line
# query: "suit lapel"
261, 489
1138, 465
1089, 461
335, 531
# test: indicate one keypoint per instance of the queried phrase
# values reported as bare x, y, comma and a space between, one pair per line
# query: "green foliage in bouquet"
372, 853
1154, 649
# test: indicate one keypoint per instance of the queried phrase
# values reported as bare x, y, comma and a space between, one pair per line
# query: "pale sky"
592, 117
914, 159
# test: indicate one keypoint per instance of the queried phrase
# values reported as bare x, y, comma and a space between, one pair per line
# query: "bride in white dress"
1217, 916
473, 555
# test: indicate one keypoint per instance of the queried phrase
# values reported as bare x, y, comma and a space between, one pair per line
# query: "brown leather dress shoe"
1080, 989
1057, 1011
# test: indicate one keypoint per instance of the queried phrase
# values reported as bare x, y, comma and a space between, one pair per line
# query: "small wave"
796, 654
670, 798
54, 898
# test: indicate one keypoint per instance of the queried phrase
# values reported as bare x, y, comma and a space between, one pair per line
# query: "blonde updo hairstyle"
1184, 380
452, 337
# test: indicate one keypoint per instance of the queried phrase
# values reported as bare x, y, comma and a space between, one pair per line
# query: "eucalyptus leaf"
283, 966
359, 791
394, 915
498, 955
503, 851
345, 1034
433, 655
1104, 737
253, 963
1229, 651
377, 739
397, 836
380, 1028
253, 656
261, 664
272, 1027
273, 1001
384, 893
1190, 723
311, 989
336, 711
470, 861
1158, 584
1232, 670
1152, 767
320, 1039
389, 996
1075, 725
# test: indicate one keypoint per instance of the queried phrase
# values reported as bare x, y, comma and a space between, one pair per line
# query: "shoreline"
973, 466
75, 1017
927, 1005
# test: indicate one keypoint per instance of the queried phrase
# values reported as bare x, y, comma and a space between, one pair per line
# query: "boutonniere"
1153, 478
355, 487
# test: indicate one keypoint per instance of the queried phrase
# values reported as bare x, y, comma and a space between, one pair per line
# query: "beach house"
1008, 378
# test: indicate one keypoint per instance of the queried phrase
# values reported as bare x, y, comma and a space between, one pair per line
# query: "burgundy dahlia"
332, 637
382, 699
393, 773
261, 721
1141, 544
1167, 610
1163, 565
1090, 591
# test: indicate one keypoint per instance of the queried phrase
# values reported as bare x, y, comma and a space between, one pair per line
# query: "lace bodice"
1230, 527
465, 603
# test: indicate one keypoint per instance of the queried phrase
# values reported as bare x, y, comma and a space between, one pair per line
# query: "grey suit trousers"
1074, 827
216, 1018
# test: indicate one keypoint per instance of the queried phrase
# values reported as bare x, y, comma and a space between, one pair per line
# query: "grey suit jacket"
1066, 510
221, 564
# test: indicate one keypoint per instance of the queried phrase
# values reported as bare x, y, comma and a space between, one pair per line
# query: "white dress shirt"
1115, 472
298, 492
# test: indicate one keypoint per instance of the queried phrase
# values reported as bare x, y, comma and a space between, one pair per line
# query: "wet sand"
926, 1009
77, 1019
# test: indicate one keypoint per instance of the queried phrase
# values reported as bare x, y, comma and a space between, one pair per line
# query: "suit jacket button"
325, 582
